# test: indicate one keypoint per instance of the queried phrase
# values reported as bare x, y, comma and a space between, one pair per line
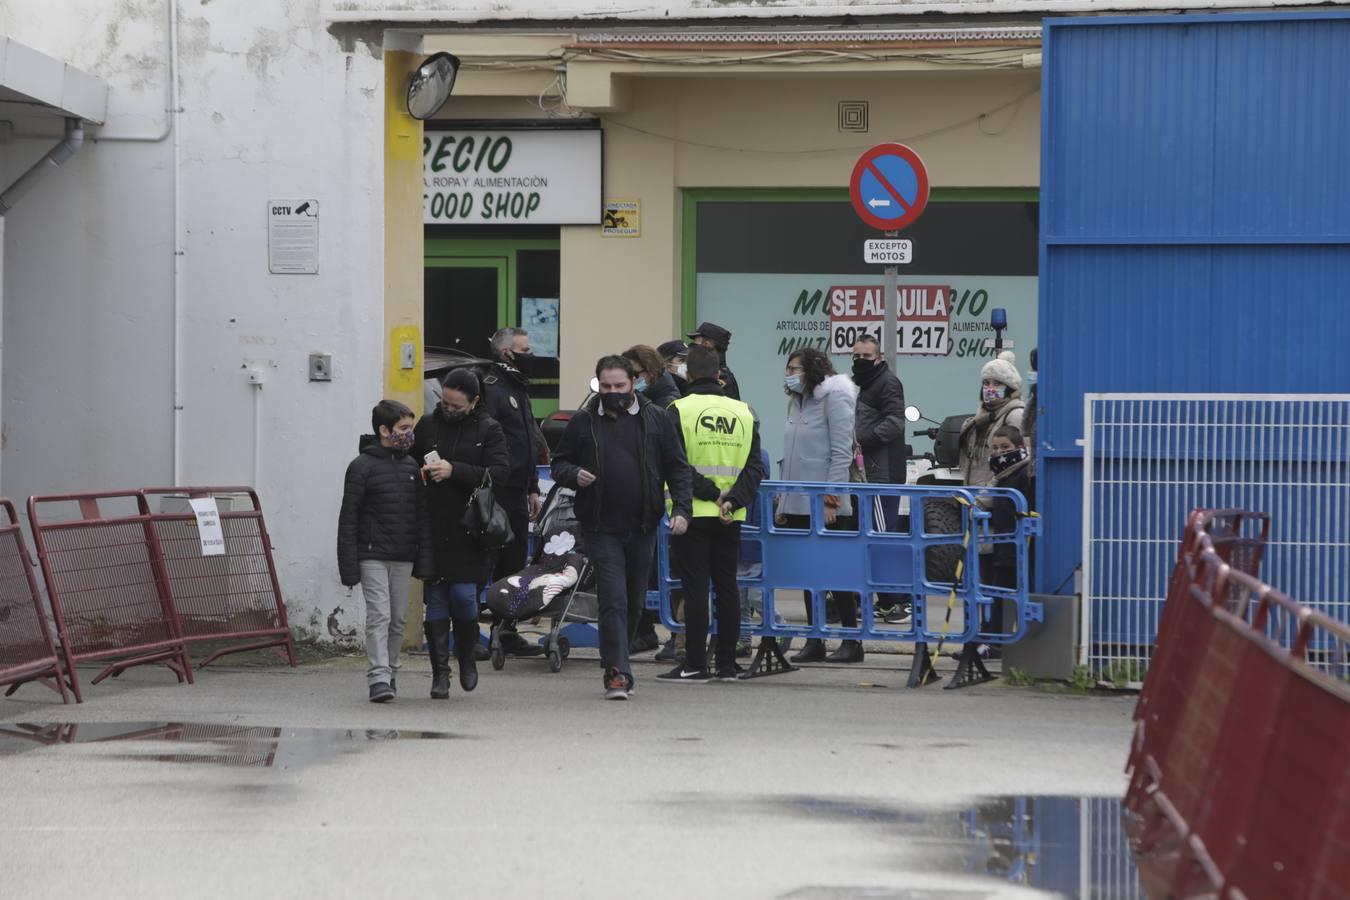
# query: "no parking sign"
889, 187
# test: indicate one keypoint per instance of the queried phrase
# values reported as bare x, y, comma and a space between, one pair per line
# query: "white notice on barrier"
208, 526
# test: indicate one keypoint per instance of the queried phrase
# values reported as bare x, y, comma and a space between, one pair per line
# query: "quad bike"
940, 467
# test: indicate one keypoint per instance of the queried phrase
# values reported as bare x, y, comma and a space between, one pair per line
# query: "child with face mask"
1012, 468
384, 538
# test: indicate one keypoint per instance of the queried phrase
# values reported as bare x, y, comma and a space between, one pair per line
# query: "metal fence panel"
232, 597
1152, 458
105, 580
26, 649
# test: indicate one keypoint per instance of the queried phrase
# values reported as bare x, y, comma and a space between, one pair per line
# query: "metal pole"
891, 322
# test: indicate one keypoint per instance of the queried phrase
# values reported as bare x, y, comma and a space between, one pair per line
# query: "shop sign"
534, 177
924, 327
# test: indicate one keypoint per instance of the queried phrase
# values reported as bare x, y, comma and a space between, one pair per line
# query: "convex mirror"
430, 86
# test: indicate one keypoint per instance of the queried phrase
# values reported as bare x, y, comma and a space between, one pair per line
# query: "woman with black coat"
471, 445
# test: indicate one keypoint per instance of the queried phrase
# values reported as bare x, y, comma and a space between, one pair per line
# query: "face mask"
522, 361
402, 440
991, 394
641, 386
1030, 378
863, 367
793, 383
616, 402
682, 370
455, 416
1000, 461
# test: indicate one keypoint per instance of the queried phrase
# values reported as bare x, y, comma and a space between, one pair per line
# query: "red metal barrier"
26, 649
107, 586
1239, 785
233, 597
1229, 533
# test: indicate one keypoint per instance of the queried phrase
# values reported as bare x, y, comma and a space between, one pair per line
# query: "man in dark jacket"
384, 538
506, 398
879, 426
619, 453
719, 339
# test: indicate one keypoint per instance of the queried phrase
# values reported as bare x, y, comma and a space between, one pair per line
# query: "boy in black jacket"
384, 538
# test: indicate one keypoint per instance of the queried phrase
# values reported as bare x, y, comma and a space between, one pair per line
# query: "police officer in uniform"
715, 337
506, 398
721, 441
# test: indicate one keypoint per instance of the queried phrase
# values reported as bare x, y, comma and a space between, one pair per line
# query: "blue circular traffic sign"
889, 187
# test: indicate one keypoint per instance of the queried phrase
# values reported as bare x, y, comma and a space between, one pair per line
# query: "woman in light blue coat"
818, 446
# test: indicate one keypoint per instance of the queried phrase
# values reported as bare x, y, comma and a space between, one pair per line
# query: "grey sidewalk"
807, 784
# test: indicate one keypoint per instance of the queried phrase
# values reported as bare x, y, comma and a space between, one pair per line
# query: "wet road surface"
807, 785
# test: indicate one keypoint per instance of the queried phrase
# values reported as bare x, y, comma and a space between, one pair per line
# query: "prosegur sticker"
623, 218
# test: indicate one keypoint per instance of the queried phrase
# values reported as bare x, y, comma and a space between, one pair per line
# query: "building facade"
605, 175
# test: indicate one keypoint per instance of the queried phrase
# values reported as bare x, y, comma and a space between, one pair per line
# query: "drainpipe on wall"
172, 110
63, 151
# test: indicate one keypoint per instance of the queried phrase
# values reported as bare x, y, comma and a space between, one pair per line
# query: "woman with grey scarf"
1000, 404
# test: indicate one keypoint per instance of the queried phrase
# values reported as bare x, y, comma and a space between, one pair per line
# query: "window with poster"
784, 269
474, 284
494, 195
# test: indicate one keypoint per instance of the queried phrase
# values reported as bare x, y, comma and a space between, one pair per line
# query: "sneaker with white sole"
682, 675
618, 686
899, 615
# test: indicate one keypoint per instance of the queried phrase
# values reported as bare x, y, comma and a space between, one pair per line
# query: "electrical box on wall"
321, 367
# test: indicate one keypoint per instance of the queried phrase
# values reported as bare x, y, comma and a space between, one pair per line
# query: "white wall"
272, 105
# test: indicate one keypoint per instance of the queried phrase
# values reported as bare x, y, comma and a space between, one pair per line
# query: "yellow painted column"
403, 258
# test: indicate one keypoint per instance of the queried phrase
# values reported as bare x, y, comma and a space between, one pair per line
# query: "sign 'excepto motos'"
534, 177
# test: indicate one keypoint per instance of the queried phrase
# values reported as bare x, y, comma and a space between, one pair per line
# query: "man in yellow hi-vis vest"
721, 441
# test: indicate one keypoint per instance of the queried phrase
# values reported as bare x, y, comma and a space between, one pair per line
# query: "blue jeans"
446, 600
621, 562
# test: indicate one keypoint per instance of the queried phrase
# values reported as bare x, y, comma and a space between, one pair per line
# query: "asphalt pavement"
828, 782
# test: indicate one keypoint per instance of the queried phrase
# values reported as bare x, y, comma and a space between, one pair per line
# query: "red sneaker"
618, 686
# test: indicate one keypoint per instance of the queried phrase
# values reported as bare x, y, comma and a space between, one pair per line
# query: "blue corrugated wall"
1195, 222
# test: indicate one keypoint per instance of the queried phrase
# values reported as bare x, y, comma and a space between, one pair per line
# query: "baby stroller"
558, 584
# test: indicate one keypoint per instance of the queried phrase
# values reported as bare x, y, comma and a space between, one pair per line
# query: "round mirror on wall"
430, 86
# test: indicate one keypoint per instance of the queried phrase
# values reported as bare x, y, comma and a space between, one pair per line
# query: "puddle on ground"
195, 742
1069, 846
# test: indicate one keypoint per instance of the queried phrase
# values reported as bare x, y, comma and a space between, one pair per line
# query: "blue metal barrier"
870, 561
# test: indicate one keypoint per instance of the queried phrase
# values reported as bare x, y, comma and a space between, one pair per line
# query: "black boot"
813, 651
848, 652
466, 641
438, 648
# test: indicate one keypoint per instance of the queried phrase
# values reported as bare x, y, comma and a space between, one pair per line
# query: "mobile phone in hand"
431, 458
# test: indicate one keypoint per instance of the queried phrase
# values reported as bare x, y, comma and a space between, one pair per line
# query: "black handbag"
485, 520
